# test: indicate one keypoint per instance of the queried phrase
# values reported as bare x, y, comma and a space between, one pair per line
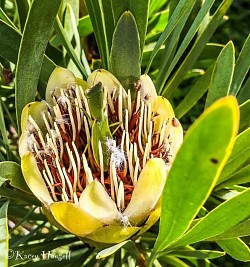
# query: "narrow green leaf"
4, 235
222, 75
197, 254
196, 49
23, 9
205, 149
240, 230
241, 67
195, 93
95, 10
11, 171
139, 9
239, 156
179, 12
217, 221
244, 93
233, 165
67, 45
10, 42
109, 251
187, 39
32, 47
4, 17
3, 132
125, 52
242, 176
85, 27
9, 46
244, 115
236, 248
109, 21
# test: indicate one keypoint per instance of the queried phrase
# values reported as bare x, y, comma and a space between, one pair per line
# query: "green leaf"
110, 250
244, 115
11, 171
9, 46
239, 156
239, 230
23, 9
139, 10
197, 254
165, 72
241, 67
95, 10
222, 75
244, 94
4, 235
217, 221
239, 177
10, 42
4, 132
195, 93
180, 11
196, 49
236, 248
125, 52
67, 45
35, 38
85, 27
197, 165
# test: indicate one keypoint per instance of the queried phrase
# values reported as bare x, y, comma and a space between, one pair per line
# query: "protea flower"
96, 157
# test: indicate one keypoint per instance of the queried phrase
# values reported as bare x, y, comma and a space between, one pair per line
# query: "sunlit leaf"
196, 168
196, 49
241, 68
222, 75
239, 230
11, 171
33, 45
217, 221
195, 93
236, 248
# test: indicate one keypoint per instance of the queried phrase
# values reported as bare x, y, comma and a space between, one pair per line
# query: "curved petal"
107, 79
74, 219
147, 191
36, 110
81, 83
162, 111
112, 234
96, 201
175, 137
24, 143
59, 79
46, 211
34, 179
148, 92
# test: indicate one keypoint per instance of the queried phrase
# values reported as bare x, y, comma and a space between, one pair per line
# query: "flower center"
64, 151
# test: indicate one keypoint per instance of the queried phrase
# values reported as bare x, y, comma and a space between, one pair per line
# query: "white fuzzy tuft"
124, 220
118, 157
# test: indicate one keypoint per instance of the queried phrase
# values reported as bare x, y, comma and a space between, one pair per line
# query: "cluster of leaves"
207, 196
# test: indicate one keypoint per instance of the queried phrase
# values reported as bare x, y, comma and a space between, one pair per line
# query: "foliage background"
27, 226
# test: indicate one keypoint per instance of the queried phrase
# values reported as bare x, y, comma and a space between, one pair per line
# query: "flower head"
96, 158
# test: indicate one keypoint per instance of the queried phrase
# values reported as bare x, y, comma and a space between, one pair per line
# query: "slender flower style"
97, 156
